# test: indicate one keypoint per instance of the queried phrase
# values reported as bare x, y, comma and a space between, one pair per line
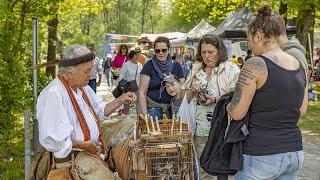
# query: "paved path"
311, 142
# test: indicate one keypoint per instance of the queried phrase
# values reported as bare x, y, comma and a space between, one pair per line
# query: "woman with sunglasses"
119, 60
154, 100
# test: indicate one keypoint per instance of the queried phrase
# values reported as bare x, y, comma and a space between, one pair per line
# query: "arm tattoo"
251, 69
236, 98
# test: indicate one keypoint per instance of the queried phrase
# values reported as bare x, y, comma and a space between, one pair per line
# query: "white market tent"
199, 30
194, 34
150, 38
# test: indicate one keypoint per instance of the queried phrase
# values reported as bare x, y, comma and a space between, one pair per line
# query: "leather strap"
83, 124
102, 137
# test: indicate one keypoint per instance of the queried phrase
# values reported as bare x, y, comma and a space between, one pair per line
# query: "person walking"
117, 63
106, 69
130, 72
96, 71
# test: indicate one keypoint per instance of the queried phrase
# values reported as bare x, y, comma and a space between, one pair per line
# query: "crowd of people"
269, 87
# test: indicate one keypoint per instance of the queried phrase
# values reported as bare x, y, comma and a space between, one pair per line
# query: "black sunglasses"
160, 50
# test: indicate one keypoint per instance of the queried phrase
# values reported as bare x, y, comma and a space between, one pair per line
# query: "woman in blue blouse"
153, 98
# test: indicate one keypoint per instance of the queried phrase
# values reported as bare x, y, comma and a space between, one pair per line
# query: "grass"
13, 169
311, 120
12, 154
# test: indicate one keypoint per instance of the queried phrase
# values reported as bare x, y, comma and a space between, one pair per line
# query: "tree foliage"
83, 21
15, 63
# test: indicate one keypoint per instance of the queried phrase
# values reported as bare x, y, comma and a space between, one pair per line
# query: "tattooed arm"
253, 72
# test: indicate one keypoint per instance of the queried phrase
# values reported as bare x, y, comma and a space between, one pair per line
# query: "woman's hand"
128, 98
210, 100
195, 87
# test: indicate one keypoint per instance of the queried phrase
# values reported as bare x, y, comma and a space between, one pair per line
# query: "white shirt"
97, 68
128, 71
223, 79
58, 122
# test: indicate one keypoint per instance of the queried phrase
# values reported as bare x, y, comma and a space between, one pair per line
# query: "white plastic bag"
187, 115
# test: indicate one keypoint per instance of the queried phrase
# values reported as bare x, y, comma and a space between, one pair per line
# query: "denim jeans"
158, 111
107, 74
155, 111
282, 166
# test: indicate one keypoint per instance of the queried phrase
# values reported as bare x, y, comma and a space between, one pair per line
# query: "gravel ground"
311, 142
311, 165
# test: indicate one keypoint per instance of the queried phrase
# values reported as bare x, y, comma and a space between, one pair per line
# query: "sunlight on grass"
311, 120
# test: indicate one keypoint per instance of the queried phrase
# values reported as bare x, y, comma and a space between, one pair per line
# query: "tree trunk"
105, 19
52, 43
119, 30
144, 2
283, 9
305, 25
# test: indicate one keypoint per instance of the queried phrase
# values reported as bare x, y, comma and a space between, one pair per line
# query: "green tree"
15, 75
306, 18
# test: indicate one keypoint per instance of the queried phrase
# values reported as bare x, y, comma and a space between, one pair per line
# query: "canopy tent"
199, 30
194, 34
234, 26
150, 38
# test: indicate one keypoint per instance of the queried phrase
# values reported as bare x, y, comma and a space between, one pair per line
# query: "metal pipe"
35, 82
27, 150
310, 50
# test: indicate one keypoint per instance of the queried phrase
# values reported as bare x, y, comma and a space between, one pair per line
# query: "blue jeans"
282, 166
107, 74
158, 111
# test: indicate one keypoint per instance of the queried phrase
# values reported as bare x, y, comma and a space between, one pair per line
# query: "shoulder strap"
135, 77
83, 124
264, 58
124, 60
99, 124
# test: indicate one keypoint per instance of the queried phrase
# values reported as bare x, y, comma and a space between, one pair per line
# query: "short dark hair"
162, 39
270, 23
217, 42
132, 53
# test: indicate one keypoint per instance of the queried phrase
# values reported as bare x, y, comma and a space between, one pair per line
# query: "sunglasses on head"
160, 50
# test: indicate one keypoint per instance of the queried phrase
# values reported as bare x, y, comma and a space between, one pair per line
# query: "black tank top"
275, 111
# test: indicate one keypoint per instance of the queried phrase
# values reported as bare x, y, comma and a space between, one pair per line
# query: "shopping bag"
187, 114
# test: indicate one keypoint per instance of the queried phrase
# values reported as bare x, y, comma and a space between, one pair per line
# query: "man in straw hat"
69, 114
